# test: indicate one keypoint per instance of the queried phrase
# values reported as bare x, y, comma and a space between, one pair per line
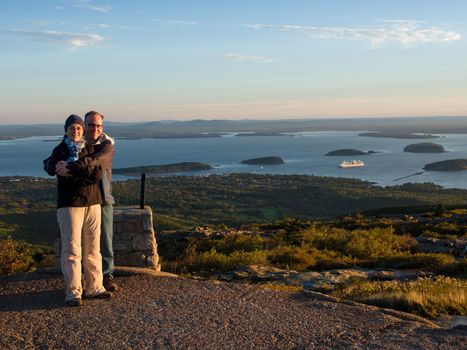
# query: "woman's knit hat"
74, 119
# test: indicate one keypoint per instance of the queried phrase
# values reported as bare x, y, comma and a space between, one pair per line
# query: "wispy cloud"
175, 22
247, 58
98, 25
86, 4
129, 28
39, 22
70, 40
406, 32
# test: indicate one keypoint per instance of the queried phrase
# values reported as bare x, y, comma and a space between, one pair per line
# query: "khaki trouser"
80, 229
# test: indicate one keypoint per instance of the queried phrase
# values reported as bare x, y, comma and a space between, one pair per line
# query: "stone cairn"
134, 241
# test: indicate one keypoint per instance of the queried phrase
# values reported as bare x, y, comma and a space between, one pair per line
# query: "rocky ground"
153, 311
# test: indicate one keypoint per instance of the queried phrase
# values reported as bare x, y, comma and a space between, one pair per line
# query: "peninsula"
398, 135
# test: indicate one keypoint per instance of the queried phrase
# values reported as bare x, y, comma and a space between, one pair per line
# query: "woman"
78, 214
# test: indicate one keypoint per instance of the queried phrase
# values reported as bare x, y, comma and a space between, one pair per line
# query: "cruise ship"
351, 164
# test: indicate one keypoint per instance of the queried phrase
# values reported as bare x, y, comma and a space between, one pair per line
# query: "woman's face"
74, 132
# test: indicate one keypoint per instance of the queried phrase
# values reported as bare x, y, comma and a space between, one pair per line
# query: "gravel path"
156, 312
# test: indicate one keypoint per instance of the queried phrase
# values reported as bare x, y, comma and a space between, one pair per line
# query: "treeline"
27, 205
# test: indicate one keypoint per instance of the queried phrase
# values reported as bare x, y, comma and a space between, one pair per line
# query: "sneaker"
103, 295
109, 284
74, 302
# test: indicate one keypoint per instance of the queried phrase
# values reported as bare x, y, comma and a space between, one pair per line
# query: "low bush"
15, 257
406, 260
428, 297
291, 257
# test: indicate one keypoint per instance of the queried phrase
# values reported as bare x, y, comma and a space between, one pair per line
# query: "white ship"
351, 164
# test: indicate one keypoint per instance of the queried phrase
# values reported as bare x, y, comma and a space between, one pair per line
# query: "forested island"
346, 152
264, 161
424, 147
164, 168
447, 165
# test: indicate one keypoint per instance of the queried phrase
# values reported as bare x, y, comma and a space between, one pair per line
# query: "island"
398, 135
447, 165
424, 147
260, 134
163, 168
346, 152
264, 161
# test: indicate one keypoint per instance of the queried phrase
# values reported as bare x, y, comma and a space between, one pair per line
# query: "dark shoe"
109, 284
103, 295
74, 302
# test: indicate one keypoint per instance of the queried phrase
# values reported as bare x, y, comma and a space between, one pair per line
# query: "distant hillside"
214, 128
28, 205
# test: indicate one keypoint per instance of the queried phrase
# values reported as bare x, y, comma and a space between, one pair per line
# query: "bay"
303, 153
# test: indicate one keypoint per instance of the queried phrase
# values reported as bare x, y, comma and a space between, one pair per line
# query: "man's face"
94, 127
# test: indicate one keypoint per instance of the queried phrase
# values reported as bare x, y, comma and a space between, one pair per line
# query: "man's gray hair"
92, 114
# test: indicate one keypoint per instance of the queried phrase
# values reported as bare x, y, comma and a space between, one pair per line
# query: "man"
103, 157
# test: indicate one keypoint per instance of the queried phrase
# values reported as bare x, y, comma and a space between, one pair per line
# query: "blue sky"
242, 59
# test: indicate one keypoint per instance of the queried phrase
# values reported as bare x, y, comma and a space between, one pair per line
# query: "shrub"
428, 297
214, 261
363, 244
243, 242
405, 260
457, 268
291, 257
15, 257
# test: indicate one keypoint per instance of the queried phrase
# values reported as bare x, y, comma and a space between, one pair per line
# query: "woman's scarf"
74, 148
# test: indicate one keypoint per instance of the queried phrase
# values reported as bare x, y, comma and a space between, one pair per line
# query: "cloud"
86, 4
98, 25
38, 22
71, 40
247, 58
129, 28
174, 22
402, 31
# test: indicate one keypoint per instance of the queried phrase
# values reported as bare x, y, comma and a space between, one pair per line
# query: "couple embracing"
82, 163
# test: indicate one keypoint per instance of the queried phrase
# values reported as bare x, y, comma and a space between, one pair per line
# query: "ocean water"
303, 153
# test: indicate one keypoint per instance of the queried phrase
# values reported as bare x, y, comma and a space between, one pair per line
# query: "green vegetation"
165, 168
307, 224
20, 257
301, 245
27, 206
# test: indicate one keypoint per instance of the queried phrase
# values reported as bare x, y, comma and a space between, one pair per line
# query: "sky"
242, 59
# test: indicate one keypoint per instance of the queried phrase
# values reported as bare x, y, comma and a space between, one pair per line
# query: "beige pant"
80, 229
